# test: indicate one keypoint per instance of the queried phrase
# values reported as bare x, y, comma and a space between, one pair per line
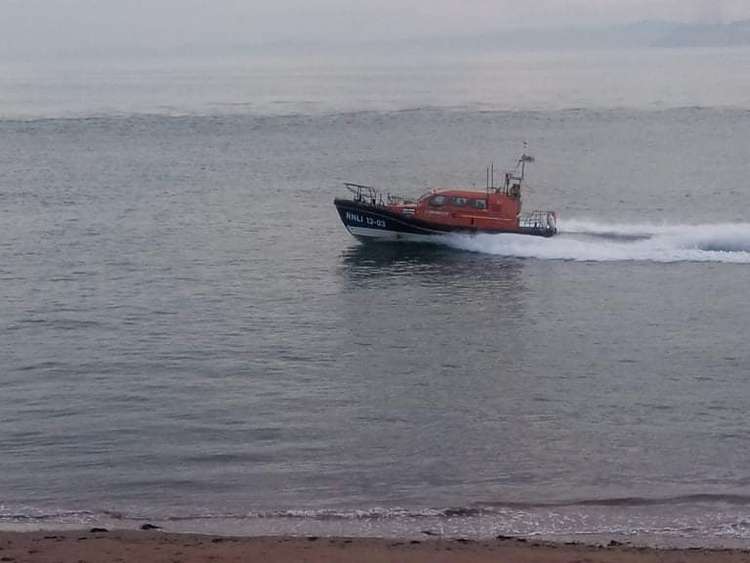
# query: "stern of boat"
538, 223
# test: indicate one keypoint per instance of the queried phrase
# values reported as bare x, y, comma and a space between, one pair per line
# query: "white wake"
583, 240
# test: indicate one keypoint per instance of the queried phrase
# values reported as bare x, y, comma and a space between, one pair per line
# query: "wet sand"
158, 547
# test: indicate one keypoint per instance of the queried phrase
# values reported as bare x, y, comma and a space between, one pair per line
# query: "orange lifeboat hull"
372, 215
440, 213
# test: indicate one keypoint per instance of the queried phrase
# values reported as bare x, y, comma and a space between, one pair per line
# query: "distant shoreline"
152, 546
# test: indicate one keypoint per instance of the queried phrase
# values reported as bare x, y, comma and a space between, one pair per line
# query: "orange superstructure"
471, 210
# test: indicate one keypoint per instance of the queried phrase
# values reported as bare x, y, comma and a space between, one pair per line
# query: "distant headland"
707, 35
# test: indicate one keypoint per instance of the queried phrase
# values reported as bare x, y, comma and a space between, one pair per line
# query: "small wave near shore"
692, 520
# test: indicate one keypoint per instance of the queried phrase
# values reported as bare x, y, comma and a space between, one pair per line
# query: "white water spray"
588, 241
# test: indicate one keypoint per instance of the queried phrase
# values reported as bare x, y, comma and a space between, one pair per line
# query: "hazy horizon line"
559, 37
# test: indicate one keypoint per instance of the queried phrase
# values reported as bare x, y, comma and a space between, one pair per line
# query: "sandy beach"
155, 546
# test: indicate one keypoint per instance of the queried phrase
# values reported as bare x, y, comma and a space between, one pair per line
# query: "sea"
190, 337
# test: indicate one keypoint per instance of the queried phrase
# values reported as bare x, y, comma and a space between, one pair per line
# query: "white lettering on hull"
364, 220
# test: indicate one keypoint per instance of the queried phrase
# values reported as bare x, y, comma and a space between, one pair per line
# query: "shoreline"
147, 546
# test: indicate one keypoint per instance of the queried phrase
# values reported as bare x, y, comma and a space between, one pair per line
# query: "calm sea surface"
188, 334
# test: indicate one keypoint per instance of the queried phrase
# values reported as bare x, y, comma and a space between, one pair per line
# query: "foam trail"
589, 241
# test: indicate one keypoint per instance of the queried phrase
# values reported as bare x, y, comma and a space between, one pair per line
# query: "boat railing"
371, 196
363, 194
538, 221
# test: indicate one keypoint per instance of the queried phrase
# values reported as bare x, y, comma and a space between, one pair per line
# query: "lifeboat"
372, 215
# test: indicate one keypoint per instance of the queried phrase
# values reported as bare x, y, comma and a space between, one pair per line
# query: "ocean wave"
23, 515
589, 241
282, 111
479, 509
634, 502
704, 520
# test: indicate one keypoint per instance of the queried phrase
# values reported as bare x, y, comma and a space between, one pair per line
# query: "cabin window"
479, 203
438, 201
459, 201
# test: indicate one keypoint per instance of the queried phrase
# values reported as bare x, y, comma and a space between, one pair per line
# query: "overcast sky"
49, 25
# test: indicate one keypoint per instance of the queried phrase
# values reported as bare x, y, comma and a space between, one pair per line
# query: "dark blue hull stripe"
355, 214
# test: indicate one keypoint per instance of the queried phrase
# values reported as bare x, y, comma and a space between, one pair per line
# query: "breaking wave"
588, 241
707, 520
478, 509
